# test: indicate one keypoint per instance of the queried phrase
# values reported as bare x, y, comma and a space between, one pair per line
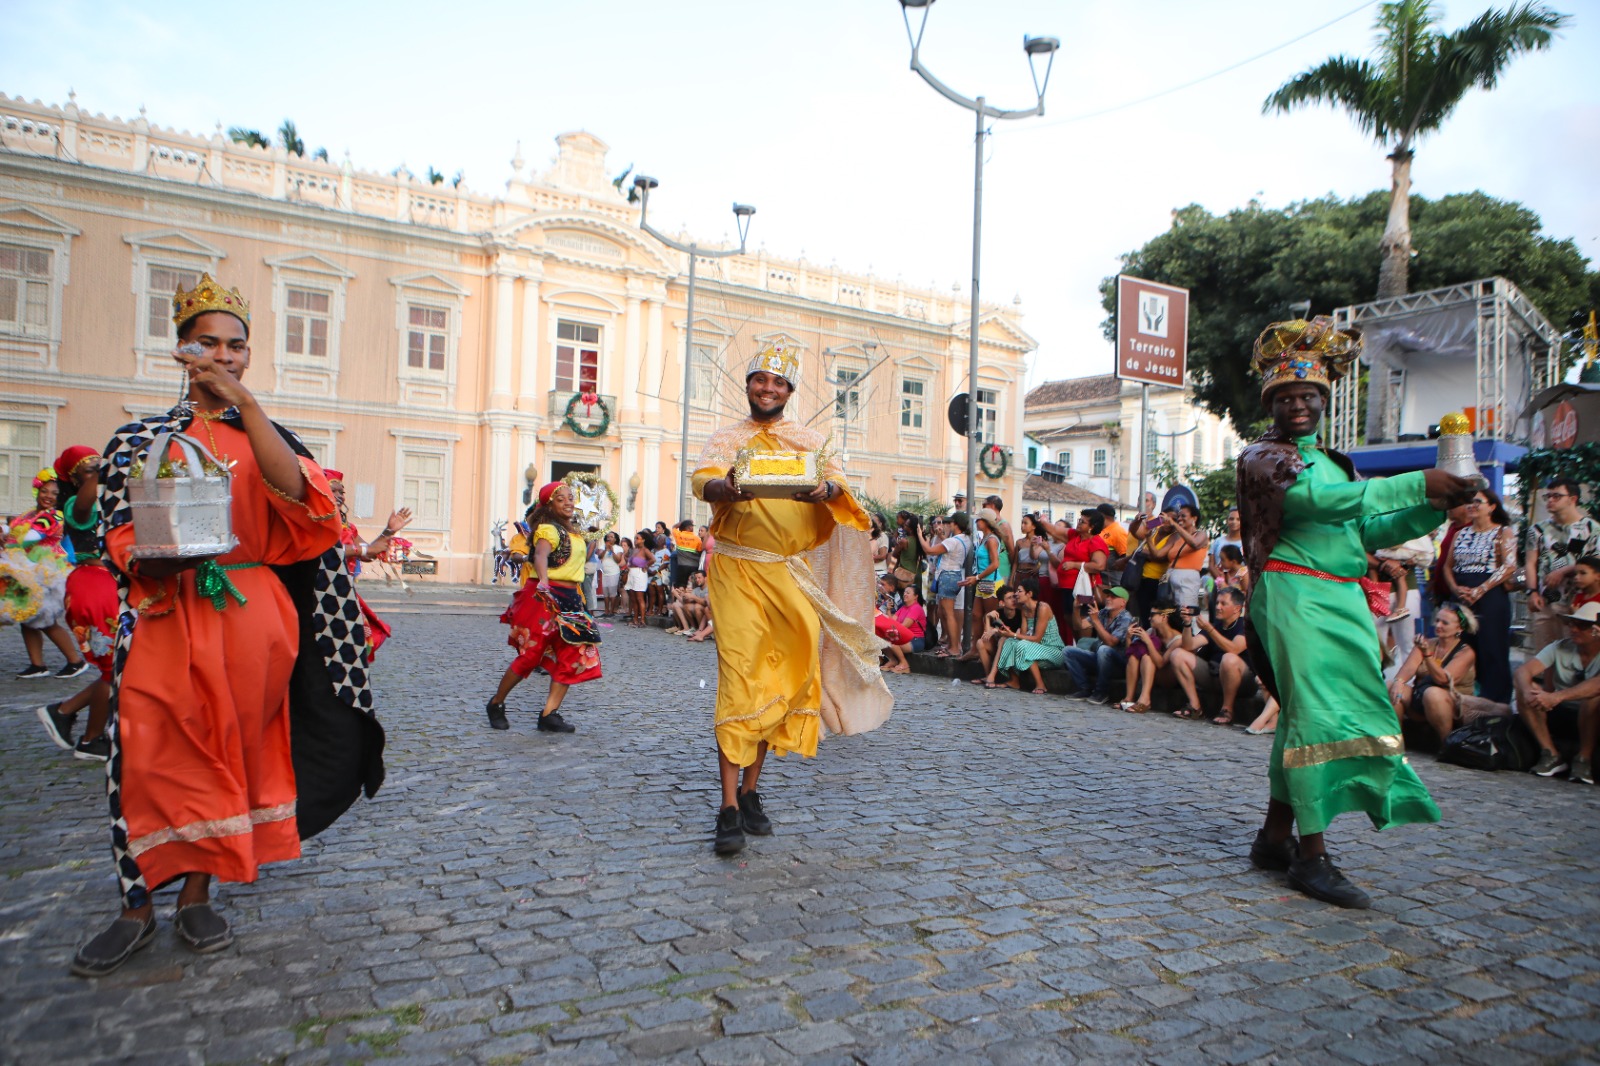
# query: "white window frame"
308, 272
578, 346
11, 506
1064, 461
422, 387
915, 405
27, 227
429, 331
409, 444
1198, 455
847, 393
167, 250
1098, 465
987, 413
703, 374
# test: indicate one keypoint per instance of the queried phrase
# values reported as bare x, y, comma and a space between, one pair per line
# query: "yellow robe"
780, 677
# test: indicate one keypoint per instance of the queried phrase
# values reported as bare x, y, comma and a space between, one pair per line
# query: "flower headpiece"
776, 358
1299, 352
43, 478
208, 296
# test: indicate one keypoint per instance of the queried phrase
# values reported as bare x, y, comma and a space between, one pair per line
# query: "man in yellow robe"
791, 586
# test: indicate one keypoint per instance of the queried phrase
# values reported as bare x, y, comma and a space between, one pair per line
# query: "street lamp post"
1034, 47
742, 213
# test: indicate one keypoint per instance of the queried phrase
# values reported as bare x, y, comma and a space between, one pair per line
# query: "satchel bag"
904, 576
1133, 572
1499, 743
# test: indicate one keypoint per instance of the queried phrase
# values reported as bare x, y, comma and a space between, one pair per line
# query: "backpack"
1498, 743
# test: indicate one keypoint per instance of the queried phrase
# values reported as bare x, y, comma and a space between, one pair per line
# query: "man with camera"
1109, 656
1553, 548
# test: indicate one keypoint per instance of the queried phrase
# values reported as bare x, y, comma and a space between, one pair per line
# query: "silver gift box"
187, 516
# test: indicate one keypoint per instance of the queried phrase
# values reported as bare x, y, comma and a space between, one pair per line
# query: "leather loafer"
202, 929
1319, 878
108, 951
1265, 855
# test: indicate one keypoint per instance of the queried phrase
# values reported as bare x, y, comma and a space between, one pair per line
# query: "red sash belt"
1282, 567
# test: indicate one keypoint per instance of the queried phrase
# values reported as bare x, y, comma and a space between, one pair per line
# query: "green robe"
1337, 747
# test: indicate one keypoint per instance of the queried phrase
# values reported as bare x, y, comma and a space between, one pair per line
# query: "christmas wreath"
590, 401
596, 507
998, 455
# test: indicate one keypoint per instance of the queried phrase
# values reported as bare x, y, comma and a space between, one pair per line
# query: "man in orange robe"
200, 779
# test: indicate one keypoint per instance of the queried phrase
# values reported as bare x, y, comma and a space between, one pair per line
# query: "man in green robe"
1308, 525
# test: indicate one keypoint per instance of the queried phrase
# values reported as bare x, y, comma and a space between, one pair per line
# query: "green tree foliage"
289, 137
253, 138
1246, 268
1417, 78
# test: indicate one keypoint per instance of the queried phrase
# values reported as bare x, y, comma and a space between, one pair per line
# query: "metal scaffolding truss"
1507, 322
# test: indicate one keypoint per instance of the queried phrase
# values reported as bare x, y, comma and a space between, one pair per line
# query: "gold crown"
1299, 352
208, 296
776, 358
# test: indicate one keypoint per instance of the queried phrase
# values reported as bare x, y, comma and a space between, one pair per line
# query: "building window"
702, 375
165, 282
988, 420
1099, 462
424, 486
1227, 449
1152, 446
913, 406
577, 357
846, 396
1199, 445
910, 496
427, 338
22, 455
1033, 457
306, 324
25, 277
1064, 461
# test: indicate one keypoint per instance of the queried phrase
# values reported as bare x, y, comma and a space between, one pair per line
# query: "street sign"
1152, 332
957, 413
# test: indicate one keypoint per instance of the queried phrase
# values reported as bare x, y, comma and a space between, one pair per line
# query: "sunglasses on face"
1582, 627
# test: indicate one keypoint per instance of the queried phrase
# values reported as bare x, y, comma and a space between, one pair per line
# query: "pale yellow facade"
426, 340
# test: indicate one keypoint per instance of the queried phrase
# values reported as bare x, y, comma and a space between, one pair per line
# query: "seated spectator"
911, 620
1266, 721
998, 624
1438, 672
888, 595
689, 605
1106, 652
1562, 681
1212, 653
1586, 580
1037, 642
1148, 658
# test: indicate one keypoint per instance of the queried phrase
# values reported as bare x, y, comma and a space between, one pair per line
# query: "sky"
809, 111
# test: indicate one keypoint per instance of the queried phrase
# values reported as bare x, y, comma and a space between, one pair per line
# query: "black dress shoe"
1265, 855
108, 951
1319, 878
497, 716
756, 822
202, 929
730, 832
554, 723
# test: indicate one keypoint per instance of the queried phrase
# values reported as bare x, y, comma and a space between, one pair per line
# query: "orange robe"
207, 785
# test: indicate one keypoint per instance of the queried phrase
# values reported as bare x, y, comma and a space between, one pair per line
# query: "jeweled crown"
208, 296
776, 358
1302, 352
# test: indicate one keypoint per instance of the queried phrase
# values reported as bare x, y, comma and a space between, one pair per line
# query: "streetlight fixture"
742, 214
1033, 47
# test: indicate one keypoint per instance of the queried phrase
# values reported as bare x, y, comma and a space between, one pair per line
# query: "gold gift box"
775, 475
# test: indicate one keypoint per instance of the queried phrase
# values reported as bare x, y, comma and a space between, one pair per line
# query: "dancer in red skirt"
550, 624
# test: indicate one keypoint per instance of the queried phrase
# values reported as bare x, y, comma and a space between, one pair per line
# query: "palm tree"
1416, 81
253, 138
290, 138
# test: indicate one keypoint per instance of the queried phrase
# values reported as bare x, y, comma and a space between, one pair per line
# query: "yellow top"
571, 571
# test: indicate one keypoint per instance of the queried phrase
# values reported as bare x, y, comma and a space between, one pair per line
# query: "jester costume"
551, 629
230, 668
34, 562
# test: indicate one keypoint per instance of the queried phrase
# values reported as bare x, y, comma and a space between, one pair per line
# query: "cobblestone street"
991, 877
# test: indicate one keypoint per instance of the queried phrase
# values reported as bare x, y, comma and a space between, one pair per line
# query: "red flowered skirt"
553, 632
92, 613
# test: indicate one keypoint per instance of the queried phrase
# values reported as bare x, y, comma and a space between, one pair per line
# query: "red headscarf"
332, 474
71, 459
549, 491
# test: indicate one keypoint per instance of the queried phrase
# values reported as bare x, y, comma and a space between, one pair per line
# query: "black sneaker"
96, 750
554, 723
76, 669
1268, 856
108, 951
1320, 879
33, 673
1582, 772
1101, 698
202, 929
756, 822
58, 725
497, 716
730, 832
1549, 765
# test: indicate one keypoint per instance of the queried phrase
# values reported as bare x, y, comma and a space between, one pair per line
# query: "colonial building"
1087, 426
443, 347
